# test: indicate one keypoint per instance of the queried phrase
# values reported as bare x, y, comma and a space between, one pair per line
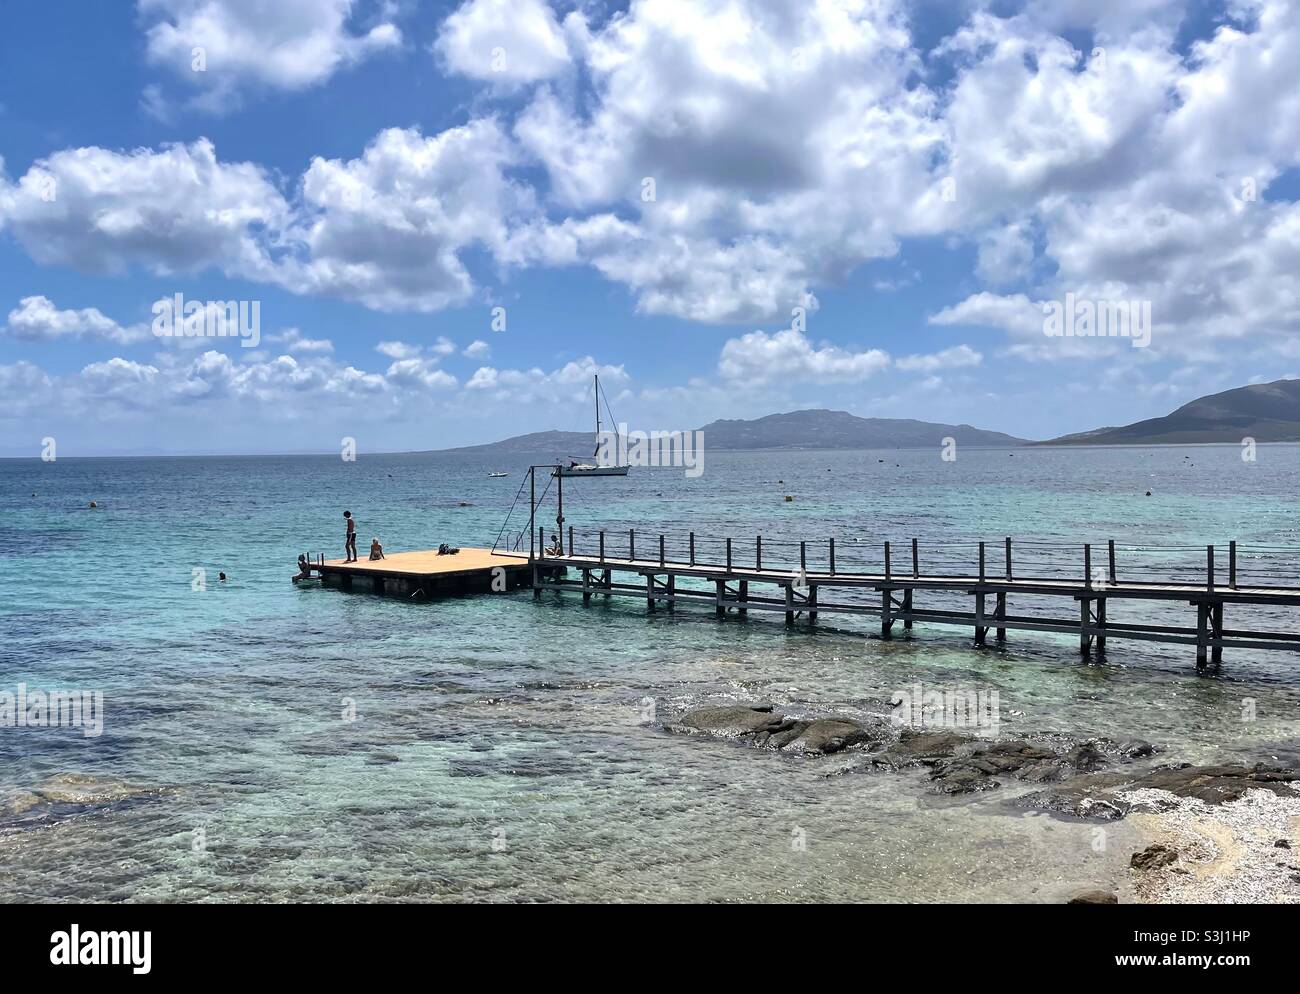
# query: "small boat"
493, 476
576, 468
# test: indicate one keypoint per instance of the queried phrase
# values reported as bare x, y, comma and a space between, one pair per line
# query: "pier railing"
1229, 565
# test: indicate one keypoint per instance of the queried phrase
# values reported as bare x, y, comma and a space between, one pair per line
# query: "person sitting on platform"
556, 549
304, 569
376, 550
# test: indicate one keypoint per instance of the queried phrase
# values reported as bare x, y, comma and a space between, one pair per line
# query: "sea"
265, 741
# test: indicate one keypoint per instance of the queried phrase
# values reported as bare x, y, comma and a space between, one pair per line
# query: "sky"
440, 219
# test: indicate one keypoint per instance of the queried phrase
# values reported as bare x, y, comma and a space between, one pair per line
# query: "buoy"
788, 497
93, 504
1148, 493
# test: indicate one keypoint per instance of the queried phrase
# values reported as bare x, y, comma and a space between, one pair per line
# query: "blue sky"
863, 205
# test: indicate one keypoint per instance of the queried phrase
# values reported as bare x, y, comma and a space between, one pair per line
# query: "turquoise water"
502, 748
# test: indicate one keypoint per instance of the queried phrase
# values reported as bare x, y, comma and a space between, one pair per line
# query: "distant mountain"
1266, 412
795, 430
550, 444
841, 430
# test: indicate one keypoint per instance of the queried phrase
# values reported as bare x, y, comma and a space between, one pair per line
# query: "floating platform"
428, 574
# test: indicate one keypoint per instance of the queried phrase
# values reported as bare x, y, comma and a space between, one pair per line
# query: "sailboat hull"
592, 471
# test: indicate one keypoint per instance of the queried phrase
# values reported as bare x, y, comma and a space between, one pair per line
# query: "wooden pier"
668, 570
898, 595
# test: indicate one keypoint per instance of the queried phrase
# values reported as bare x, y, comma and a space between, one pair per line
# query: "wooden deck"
424, 573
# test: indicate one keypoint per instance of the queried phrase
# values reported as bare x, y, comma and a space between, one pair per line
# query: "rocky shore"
1218, 833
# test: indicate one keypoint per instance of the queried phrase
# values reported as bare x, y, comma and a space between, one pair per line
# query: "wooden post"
1007, 556
1216, 653
812, 603
803, 557
888, 570
631, 544
586, 587
886, 614
570, 539
720, 588
980, 629
744, 599
1202, 622
907, 609
1087, 565
1232, 565
692, 548
1101, 623
661, 550
650, 592
537, 583
728, 555
1110, 551
1002, 616
541, 539
789, 604
916, 562
602, 546
758, 552
832, 557
1085, 621
672, 591
1209, 568
981, 562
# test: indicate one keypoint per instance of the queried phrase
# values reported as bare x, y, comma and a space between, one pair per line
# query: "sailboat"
576, 468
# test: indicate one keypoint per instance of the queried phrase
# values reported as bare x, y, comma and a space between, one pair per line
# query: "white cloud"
293, 340
957, 357
477, 349
398, 350
286, 45
759, 357
506, 41
37, 319
387, 228
171, 211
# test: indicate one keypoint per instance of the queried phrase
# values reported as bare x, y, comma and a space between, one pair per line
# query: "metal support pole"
758, 552
803, 557
1007, 557
1110, 551
1209, 567
789, 604
980, 629
907, 609
692, 548
832, 557
916, 562
661, 550
1216, 653
602, 546
631, 544
1002, 616
888, 569
981, 562
728, 555
1087, 565
1232, 565
744, 599
532, 511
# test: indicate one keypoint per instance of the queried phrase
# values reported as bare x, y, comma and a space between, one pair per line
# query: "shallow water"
511, 749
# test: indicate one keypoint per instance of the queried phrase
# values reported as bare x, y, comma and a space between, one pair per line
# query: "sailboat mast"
596, 392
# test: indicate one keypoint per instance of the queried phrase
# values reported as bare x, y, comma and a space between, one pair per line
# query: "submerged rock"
1093, 895
759, 725
1153, 857
1100, 796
